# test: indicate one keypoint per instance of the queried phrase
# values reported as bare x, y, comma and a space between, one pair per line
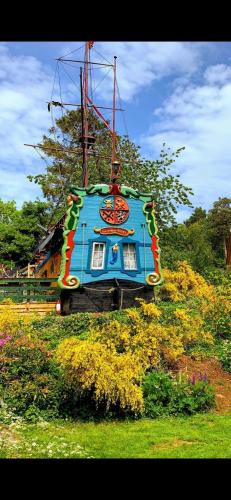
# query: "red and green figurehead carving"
154, 278
65, 280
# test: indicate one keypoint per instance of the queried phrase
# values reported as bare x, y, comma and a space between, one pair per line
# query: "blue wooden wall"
85, 236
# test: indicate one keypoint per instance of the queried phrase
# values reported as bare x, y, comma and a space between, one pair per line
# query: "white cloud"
199, 118
15, 186
219, 73
24, 89
140, 63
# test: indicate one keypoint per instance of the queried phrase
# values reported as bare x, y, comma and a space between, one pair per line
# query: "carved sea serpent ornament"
65, 280
156, 277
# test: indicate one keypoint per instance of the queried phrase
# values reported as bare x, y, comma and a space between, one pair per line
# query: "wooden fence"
29, 290
40, 308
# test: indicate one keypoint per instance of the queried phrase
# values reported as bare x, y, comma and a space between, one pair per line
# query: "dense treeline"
20, 231
200, 239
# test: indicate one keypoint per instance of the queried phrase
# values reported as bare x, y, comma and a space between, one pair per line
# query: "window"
129, 253
98, 254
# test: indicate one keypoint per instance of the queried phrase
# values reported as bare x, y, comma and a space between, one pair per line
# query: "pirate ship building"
105, 252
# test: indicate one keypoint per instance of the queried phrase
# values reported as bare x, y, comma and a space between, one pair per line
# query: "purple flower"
5, 340
193, 379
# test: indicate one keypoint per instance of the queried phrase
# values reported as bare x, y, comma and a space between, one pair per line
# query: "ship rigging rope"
61, 99
93, 48
101, 81
63, 185
110, 290
123, 114
75, 50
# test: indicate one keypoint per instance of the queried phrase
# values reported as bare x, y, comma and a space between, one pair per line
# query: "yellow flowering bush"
11, 321
113, 359
183, 283
216, 313
149, 310
192, 328
113, 334
182, 315
113, 378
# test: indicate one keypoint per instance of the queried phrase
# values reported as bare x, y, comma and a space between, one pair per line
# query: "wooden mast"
82, 124
113, 120
85, 117
115, 169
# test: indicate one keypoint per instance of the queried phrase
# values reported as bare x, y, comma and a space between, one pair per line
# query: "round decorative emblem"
114, 210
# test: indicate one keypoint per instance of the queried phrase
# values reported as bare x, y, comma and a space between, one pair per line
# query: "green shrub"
53, 329
217, 276
165, 396
225, 355
157, 392
31, 382
217, 318
192, 398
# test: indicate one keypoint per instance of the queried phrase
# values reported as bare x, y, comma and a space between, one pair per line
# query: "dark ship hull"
106, 295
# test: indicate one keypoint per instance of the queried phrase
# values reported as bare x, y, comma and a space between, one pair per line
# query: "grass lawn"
200, 436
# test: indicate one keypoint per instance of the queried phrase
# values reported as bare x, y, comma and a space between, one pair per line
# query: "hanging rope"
110, 290
121, 298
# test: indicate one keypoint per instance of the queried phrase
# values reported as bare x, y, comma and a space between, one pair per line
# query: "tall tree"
20, 230
187, 242
219, 225
198, 215
65, 167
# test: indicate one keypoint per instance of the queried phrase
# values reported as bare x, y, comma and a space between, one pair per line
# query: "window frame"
133, 244
92, 256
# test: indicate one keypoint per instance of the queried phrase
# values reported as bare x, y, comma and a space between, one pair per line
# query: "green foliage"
165, 396
31, 384
218, 277
157, 391
187, 242
219, 225
217, 317
225, 355
20, 230
53, 328
198, 215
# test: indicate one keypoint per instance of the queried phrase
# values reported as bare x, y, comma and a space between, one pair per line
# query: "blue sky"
173, 92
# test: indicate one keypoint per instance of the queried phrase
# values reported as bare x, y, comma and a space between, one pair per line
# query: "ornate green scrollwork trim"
104, 189
65, 280
156, 277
